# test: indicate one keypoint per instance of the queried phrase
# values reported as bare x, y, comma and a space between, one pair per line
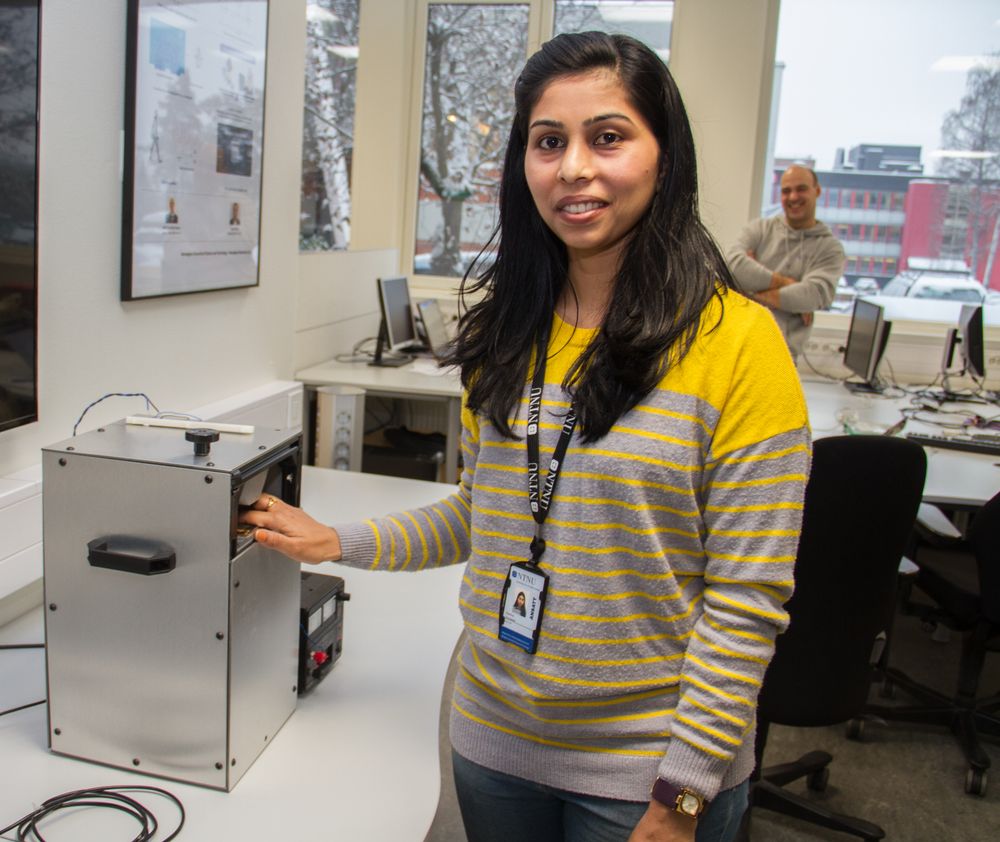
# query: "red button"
320, 658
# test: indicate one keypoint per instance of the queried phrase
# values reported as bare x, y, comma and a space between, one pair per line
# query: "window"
649, 21
857, 119
328, 127
472, 53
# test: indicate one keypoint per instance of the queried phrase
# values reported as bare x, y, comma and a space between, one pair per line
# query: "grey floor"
908, 779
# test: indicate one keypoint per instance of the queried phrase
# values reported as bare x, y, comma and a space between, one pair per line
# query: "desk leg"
453, 440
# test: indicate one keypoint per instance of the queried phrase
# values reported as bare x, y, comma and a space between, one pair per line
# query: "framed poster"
194, 127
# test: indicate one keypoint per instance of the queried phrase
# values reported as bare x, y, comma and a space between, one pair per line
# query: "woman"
641, 480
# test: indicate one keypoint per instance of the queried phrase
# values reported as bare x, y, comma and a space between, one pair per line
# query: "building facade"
884, 210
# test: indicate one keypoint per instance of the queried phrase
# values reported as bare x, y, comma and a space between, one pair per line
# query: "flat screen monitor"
970, 327
396, 332
19, 33
866, 341
435, 331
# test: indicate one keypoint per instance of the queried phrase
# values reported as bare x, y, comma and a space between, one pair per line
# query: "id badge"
522, 604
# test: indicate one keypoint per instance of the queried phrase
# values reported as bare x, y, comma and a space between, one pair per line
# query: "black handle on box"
131, 554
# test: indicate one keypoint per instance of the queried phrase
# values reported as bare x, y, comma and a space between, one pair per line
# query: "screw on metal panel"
265, 738
62, 461
71, 448
100, 429
218, 766
209, 480
210, 464
236, 584
295, 688
219, 636
135, 761
262, 447
57, 731
52, 606
233, 762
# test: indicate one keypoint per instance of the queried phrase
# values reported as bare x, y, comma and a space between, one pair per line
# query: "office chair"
860, 504
962, 577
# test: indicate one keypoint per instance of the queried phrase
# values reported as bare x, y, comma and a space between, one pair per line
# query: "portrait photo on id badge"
522, 607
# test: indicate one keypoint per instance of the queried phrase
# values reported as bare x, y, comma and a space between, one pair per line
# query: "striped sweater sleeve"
753, 488
431, 536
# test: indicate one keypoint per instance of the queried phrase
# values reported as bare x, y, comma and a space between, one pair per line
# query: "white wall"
722, 56
182, 351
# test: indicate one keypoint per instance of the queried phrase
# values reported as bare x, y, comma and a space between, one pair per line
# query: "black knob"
202, 440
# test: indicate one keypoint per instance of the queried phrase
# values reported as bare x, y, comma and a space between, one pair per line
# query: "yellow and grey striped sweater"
670, 550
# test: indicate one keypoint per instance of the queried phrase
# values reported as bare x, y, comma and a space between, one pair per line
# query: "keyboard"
990, 445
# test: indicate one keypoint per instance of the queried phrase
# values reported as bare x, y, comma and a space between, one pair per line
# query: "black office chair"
962, 577
860, 505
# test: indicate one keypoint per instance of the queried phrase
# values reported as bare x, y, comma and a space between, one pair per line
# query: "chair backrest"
860, 505
984, 536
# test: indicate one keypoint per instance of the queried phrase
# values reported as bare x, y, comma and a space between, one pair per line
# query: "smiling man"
790, 263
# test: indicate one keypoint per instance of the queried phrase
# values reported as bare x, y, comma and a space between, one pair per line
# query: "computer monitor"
435, 331
968, 338
970, 326
396, 332
866, 341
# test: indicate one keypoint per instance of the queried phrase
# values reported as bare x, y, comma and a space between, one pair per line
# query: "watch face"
689, 804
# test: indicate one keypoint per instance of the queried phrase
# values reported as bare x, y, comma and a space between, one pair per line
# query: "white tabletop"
953, 478
420, 378
334, 770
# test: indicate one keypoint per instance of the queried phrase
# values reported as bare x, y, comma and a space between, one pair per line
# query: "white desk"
327, 774
403, 381
963, 480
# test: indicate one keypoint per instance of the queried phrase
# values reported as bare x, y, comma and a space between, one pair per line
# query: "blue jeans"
501, 808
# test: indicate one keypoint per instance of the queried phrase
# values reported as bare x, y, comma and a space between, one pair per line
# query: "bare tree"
328, 133
473, 55
974, 128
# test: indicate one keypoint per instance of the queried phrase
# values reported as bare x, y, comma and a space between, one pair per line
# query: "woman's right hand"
291, 531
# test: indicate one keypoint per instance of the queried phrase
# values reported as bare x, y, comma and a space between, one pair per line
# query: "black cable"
92, 404
23, 707
22, 646
110, 797
358, 354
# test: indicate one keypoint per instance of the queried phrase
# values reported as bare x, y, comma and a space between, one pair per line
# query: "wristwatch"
681, 799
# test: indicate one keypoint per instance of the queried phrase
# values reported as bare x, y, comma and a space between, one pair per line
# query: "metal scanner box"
171, 635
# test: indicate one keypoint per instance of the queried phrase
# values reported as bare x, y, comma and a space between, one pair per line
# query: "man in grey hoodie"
790, 263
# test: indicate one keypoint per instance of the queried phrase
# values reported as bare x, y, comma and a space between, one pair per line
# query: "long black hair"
670, 267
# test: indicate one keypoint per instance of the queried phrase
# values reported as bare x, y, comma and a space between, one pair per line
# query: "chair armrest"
934, 527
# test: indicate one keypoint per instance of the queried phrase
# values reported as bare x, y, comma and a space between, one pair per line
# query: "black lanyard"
539, 499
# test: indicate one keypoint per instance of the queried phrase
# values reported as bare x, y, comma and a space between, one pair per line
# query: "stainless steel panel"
264, 643
135, 667
181, 674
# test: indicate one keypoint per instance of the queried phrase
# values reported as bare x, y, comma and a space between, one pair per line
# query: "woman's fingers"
291, 531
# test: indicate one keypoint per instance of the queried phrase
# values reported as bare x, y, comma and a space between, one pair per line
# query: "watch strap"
685, 801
